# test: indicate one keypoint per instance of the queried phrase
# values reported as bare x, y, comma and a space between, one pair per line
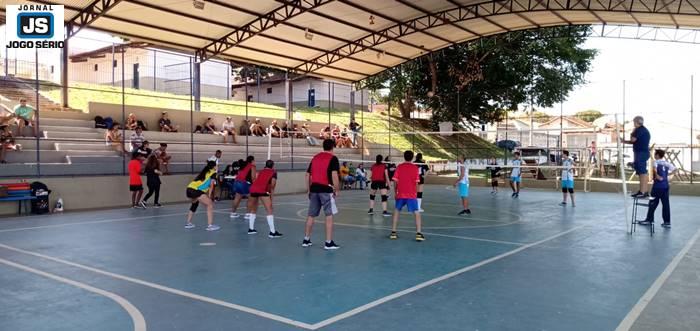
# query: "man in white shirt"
228, 128
567, 179
137, 138
361, 176
515, 175
462, 185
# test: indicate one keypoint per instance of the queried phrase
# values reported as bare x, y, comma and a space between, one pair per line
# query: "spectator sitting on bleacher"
256, 129
335, 134
163, 157
228, 128
325, 133
137, 138
306, 133
345, 176
361, 176
244, 130
144, 149
295, 132
7, 142
165, 124
113, 137
275, 130
208, 126
343, 141
286, 129
131, 122
25, 117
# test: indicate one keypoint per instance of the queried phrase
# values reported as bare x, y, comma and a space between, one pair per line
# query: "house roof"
347, 40
102, 52
574, 120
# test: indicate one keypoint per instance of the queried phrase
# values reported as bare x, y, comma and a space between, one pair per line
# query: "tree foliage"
589, 115
478, 82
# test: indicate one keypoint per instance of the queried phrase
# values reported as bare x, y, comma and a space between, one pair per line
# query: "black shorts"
421, 180
377, 185
134, 188
257, 195
193, 194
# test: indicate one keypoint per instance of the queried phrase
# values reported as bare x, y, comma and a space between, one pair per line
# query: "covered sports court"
524, 264
513, 264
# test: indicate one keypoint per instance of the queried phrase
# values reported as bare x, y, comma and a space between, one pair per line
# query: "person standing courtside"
323, 186
407, 179
639, 139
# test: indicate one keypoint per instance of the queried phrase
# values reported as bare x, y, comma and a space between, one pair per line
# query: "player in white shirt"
462, 185
567, 178
515, 175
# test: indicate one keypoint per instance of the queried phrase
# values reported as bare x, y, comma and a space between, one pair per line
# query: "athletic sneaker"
142, 205
636, 195
517, 195
644, 196
513, 195
464, 212
370, 211
393, 235
386, 214
562, 203
157, 205
252, 231
189, 226
235, 215
666, 225
330, 245
306, 243
645, 222
419, 237
213, 227
274, 234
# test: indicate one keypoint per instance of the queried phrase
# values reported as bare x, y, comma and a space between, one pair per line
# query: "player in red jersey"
380, 179
262, 189
407, 179
323, 186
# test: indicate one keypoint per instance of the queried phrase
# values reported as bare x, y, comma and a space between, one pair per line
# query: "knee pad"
571, 191
385, 197
193, 207
420, 195
563, 189
372, 196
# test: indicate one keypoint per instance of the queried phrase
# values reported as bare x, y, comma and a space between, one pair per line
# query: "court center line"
638, 308
435, 281
301, 220
134, 313
182, 293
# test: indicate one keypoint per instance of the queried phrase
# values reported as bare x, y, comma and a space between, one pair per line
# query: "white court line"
437, 215
303, 219
134, 313
166, 289
637, 310
434, 281
123, 219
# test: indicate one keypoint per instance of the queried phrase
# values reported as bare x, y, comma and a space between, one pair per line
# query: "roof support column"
197, 86
64, 74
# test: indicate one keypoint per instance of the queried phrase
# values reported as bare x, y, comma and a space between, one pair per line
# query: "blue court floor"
514, 264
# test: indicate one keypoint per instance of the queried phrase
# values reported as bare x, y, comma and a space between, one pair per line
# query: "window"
269, 90
250, 98
95, 66
114, 63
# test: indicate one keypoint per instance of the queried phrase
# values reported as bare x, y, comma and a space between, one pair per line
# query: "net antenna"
621, 165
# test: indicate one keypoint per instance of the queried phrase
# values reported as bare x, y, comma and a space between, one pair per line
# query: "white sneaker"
189, 226
213, 227
235, 215
142, 205
420, 210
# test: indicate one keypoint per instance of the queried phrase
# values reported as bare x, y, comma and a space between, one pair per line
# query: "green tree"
540, 117
589, 115
479, 81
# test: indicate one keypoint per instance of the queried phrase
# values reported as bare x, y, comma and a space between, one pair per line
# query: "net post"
621, 165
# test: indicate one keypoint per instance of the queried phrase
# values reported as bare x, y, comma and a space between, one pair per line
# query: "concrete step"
61, 128
51, 121
74, 135
87, 146
52, 156
95, 159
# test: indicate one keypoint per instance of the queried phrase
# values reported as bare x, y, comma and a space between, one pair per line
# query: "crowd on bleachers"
24, 115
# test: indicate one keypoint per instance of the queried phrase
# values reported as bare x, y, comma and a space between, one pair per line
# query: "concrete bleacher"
72, 146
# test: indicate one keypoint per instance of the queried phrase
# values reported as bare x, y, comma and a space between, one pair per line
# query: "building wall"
172, 72
274, 93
